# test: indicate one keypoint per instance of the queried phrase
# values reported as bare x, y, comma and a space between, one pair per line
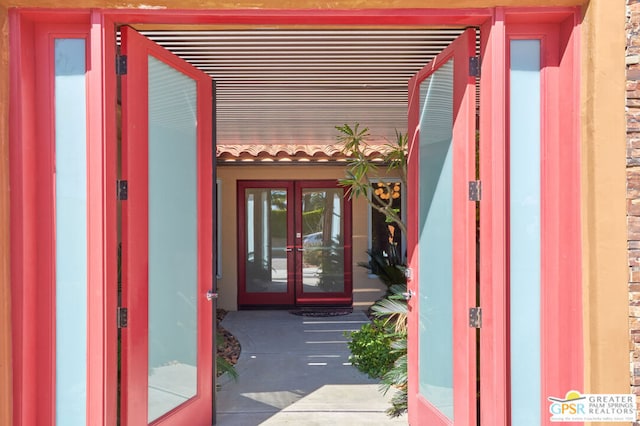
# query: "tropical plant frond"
393, 309
397, 376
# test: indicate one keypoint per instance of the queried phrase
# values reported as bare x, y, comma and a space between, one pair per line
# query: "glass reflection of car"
314, 239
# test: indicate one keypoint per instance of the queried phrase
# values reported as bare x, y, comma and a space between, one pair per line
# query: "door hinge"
122, 190
123, 317
475, 190
474, 66
475, 317
121, 64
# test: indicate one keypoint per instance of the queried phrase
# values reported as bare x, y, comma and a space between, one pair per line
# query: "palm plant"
392, 308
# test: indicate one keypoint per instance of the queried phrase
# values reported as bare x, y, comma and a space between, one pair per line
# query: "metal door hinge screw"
475, 317
123, 317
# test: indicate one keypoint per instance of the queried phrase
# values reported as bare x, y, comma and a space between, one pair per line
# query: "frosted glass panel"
173, 268
435, 240
322, 241
71, 231
525, 231
266, 262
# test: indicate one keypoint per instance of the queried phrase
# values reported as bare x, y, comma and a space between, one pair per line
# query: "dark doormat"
321, 312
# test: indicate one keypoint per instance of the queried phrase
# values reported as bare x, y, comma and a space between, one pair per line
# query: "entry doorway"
294, 244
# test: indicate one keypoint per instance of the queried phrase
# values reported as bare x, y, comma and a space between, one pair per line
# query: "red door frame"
31, 366
135, 235
294, 294
561, 301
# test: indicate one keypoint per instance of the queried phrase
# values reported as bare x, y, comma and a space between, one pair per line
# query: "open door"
167, 238
441, 239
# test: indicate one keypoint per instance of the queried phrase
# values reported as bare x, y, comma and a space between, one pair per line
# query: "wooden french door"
294, 243
167, 267
441, 241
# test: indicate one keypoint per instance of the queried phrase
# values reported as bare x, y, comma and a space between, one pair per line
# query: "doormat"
321, 312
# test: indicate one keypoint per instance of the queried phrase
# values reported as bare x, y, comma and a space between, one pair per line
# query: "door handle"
289, 249
408, 294
211, 295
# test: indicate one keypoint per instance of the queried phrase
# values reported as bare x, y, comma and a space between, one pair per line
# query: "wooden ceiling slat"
294, 86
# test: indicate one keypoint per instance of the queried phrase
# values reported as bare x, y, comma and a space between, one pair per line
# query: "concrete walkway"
294, 370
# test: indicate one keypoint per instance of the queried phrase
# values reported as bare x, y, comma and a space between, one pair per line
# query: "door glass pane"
173, 250
266, 261
322, 241
435, 349
524, 208
71, 231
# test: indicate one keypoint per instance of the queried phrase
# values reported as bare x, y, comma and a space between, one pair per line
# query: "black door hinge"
475, 190
123, 317
121, 64
474, 66
122, 190
475, 317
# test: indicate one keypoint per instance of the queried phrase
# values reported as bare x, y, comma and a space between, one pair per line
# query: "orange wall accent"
5, 282
605, 272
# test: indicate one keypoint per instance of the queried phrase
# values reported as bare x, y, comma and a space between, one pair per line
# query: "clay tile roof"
290, 153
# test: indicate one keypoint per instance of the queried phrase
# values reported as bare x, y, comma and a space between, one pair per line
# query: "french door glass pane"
173, 268
435, 240
71, 231
524, 208
266, 261
322, 241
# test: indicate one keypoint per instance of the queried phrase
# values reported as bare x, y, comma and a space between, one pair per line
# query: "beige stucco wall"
366, 289
605, 273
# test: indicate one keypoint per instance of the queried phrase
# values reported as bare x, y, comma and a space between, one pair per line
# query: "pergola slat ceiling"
294, 86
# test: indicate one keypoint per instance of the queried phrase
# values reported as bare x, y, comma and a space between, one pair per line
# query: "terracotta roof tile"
288, 153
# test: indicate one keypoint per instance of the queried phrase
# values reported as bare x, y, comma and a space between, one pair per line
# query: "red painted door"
294, 243
322, 244
167, 238
441, 239
265, 243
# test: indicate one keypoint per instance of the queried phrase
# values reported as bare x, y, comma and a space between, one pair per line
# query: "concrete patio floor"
295, 370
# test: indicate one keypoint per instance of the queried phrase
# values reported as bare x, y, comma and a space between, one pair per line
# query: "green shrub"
371, 351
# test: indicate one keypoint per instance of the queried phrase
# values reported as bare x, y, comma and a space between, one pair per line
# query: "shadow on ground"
295, 370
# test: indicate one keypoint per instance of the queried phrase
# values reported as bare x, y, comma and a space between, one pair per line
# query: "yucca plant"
361, 169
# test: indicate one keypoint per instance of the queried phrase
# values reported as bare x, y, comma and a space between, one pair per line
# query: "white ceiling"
294, 86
